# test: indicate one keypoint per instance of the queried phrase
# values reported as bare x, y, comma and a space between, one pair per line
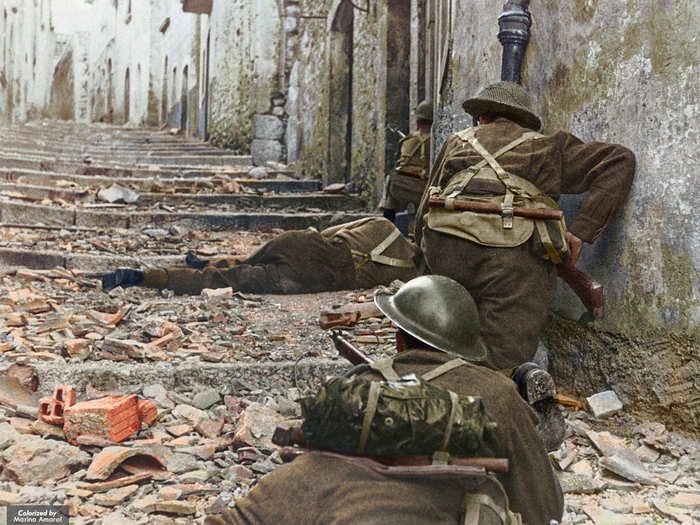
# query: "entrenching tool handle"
349, 352
591, 293
485, 207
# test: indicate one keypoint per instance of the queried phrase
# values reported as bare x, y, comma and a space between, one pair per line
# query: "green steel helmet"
424, 110
438, 311
504, 98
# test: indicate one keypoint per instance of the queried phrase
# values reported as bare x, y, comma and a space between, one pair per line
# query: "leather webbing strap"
546, 240
370, 410
421, 146
443, 369
454, 398
473, 501
386, 368
376, 254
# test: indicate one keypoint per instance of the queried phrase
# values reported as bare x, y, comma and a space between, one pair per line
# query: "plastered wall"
623, 72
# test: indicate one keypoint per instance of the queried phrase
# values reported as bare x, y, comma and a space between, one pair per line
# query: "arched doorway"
340, 105
127, 97
398, 75
164, 94
206, 88
110, 103
183, 100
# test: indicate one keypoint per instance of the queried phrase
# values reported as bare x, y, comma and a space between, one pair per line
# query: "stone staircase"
53, 173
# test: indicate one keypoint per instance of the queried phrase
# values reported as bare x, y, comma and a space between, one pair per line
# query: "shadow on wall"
62, 99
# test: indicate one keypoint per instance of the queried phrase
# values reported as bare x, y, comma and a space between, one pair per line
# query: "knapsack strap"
376, 254
370, 410
473, 501
454, 399
385, 367
443, 369
422, 140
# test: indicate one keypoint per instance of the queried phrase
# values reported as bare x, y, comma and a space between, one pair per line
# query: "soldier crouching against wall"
507, 261
359, 254
438, 341
404, 186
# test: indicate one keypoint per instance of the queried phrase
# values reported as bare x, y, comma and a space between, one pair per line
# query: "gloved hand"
122, 277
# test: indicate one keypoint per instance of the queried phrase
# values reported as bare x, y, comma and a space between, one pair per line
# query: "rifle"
285, 437
349, 352
591, 293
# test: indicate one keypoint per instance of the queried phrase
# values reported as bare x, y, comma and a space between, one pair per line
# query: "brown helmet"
504, 98
424, 110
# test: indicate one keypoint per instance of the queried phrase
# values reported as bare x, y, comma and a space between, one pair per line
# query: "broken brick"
52, 409
147, 411
113, 417
110, 458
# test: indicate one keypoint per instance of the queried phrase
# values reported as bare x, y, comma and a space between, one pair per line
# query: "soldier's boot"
123, 277
552, 424
389, 214
194, 262
534, 383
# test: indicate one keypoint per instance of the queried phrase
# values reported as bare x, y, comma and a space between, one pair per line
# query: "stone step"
237, 161
117, 169
319, 201
24, 213
41, 178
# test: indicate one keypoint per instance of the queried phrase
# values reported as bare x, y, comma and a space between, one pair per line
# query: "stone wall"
245, 68
624, 72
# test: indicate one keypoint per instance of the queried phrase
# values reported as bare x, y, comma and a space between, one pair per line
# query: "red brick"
113, 417
52, 409
147, 411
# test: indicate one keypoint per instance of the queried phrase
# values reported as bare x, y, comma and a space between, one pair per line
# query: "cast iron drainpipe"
514, 32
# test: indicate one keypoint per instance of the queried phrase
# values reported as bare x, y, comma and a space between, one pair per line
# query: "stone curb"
119, 376
46, 260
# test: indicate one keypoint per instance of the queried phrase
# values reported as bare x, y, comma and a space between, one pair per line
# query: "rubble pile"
138, 407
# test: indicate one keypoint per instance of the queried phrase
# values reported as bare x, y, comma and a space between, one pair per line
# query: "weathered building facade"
26, 64
324, 84
619, 72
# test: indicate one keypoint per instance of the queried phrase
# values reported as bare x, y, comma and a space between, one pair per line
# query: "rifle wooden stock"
486, 207
349, 352
407, 465
591, 293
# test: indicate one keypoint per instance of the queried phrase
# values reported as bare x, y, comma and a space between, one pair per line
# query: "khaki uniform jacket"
314, 490
513, 287
303, 262
556, 164
400, 189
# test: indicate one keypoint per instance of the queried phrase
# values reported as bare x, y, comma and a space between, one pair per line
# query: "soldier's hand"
122, 277
574, 247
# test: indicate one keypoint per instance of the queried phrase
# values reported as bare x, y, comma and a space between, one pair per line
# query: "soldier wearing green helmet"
438, 341
404, 186
508, 262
